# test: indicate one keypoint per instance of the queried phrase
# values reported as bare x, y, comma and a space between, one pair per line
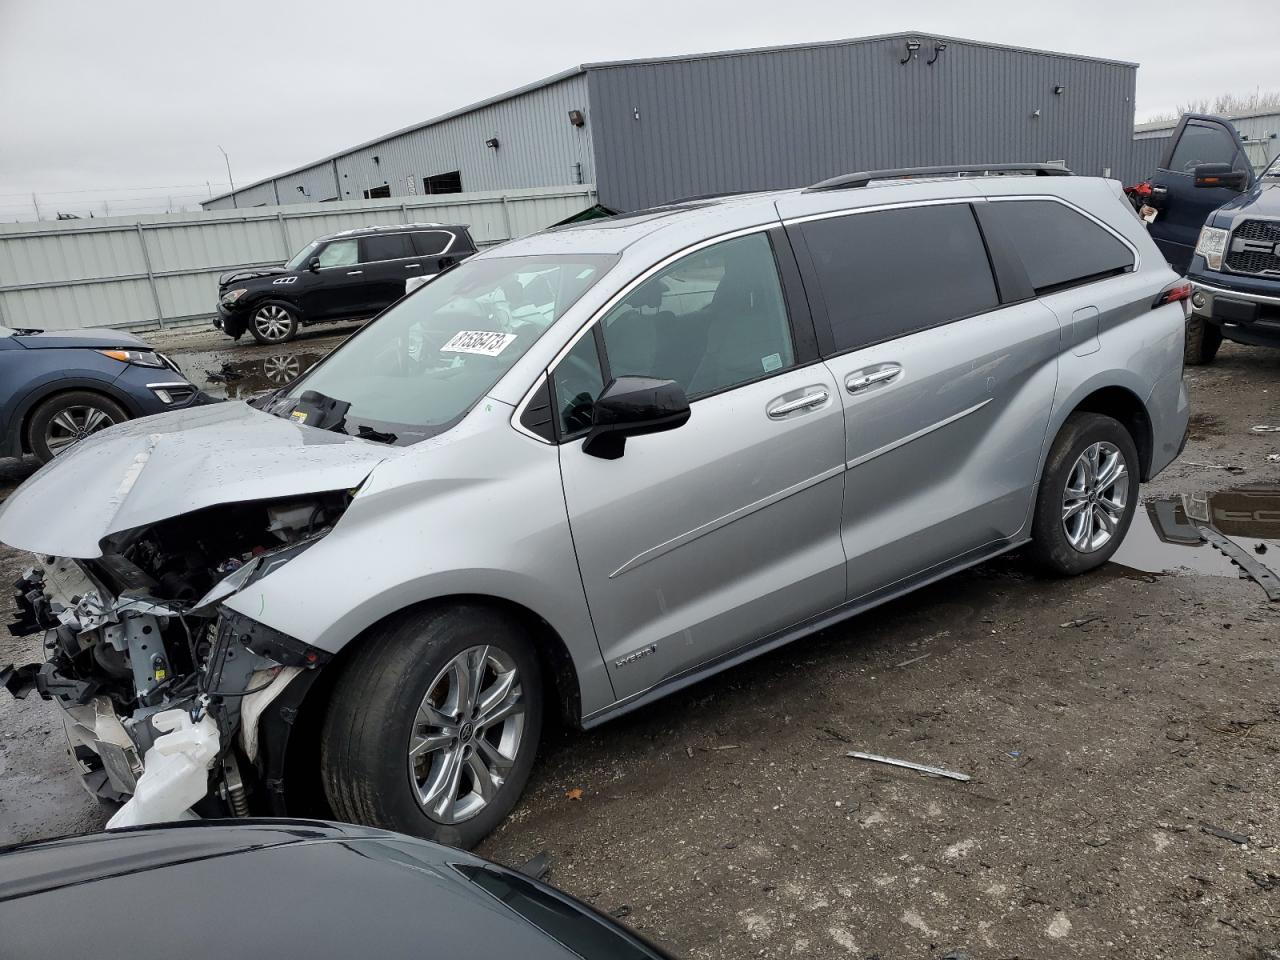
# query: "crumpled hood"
147, 470
248, 273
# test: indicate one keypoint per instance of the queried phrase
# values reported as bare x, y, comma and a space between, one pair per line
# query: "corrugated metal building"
647, 131
1260, 133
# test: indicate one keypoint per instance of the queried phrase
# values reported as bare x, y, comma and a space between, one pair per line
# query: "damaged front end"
164, 689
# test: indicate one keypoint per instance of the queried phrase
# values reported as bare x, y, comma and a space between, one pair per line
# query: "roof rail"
849, 180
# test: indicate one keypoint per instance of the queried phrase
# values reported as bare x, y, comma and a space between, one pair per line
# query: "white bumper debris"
175, 771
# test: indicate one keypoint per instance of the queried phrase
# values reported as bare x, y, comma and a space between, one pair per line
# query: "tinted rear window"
890, 273
1058, 246
385, 246
430, 243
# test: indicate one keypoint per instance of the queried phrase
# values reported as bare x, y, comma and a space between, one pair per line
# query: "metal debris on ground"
1256, 571
907, 764
1221, 834
907, 663
1079, 622
1264, 428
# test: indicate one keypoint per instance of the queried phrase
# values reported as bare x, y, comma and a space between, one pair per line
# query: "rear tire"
404, 692
63, 420
273, 323
1087, 496
1203, 340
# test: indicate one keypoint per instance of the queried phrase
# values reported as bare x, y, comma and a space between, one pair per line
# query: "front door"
947, 393
1184, 207
336, 288
725, 530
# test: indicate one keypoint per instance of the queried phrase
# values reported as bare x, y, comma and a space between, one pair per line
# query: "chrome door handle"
802, 403
353, 273
413, 266
862, 381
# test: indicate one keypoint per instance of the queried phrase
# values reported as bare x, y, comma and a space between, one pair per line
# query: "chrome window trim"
613, 301
417, 256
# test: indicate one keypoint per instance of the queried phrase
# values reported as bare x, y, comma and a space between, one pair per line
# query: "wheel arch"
298, 767
1123, 405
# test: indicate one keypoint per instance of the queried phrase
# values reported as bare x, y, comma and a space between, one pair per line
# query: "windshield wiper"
366, 432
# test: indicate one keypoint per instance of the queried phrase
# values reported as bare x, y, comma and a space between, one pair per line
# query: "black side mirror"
314, 264
630, 406
1219, 175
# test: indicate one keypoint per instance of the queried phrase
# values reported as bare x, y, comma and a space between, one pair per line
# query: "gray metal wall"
163, 268
794, 116
538, 147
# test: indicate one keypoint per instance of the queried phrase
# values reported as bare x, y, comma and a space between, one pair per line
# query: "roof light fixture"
938, 47
912, 47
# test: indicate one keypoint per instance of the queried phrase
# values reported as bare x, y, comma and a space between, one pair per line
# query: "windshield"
299, 259
420, 366
6, 332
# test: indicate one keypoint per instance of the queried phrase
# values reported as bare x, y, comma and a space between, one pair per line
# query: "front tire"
1087, 495
273, 323
65, 419
434, 725
1202, 343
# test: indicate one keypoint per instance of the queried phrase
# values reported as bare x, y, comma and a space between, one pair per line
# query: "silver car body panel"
732, 534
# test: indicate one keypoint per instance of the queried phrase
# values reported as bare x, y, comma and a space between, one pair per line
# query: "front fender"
477, 512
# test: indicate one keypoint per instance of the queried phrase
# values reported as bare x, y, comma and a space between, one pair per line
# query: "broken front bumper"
164, 707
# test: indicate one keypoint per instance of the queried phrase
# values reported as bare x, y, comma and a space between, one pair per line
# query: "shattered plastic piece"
175, 771
1221, 834
936, 771
538, 866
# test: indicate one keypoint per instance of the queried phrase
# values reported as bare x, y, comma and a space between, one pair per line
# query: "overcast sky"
128, 101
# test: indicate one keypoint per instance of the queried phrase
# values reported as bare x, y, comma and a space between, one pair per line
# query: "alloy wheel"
73, 424
1095, 497
273, 322
467, 734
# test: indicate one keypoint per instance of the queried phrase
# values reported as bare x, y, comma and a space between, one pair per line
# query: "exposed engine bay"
163, 688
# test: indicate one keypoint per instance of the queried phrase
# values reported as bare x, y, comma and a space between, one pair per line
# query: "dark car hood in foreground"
144, 471
99, 339
254, 889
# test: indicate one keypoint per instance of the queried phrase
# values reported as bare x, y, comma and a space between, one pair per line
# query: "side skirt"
806, 628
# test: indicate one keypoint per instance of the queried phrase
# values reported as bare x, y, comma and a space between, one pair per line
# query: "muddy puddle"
1165, 535
243, 379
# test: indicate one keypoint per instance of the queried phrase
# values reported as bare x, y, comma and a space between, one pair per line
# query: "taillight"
1175, 292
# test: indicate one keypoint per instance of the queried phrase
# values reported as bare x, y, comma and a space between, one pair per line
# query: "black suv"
345, 276
1219, 224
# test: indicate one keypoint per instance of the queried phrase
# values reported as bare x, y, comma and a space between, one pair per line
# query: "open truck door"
1203, 166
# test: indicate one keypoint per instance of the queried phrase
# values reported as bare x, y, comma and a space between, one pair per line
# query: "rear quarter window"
890, 273
1059, 247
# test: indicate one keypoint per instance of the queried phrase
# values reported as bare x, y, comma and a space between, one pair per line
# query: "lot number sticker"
487, 343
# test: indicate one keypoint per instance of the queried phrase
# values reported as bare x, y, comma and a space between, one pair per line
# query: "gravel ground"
1122, 732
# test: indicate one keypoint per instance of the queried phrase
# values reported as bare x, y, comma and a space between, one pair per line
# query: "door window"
893, 272
385, 246
578, 380
712, 320
1202, 143
431, 243
340, 253
1058, 246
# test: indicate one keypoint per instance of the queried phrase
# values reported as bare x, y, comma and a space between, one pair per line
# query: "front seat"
747, 334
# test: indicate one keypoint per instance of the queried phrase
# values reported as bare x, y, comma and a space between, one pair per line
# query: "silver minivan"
587, 468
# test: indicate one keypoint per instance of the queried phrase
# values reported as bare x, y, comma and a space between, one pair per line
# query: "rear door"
336, 289
434, 251
946, 378
387, 260
724, 531
1183, 207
